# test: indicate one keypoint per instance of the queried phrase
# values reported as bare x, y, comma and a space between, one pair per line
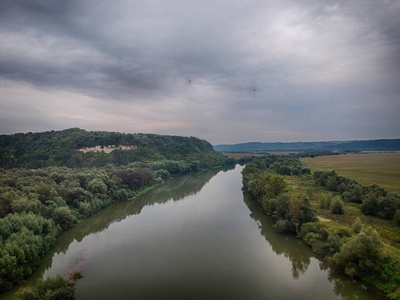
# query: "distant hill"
365, 145
80, 148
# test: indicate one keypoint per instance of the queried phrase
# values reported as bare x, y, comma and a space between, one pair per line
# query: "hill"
364, 145
80, 148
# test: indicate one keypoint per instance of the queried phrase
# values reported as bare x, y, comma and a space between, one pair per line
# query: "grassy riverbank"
361, 245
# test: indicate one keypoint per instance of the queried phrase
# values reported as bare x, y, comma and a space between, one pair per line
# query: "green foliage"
63, 217
38, 204
363, 254
337, 206
323, 241
332, 184
374, 200
56, 288
25, 237
291, 210
325, 200
357, 225
61, 148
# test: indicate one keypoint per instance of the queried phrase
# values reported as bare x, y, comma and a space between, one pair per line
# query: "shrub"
363, 254
357, 225
48, 289
283, 226
325, 200
337, 206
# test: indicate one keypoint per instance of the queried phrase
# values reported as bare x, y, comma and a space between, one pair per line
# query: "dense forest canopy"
62, 148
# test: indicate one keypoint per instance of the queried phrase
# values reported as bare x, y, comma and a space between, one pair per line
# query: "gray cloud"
259, 70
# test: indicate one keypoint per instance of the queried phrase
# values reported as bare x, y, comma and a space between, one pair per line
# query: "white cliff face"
107, 149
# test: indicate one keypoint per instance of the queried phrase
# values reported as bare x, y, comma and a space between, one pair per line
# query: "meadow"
381, 168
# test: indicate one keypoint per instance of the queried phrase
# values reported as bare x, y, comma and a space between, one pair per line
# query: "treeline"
61, 148
312, 153
280, 164
374, 200
264, 181
357, 250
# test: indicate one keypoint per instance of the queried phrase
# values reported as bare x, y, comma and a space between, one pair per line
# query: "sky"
224, 71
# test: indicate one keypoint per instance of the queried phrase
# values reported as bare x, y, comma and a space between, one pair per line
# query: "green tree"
337, 206
63, 217
363, 254
357, 225
56, 288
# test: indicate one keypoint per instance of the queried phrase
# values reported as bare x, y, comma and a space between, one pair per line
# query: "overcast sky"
224, 71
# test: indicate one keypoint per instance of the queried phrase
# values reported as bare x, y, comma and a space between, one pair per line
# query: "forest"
297, 199
64, 148
47, 185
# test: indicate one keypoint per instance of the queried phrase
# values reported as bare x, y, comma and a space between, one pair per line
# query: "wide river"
194, 237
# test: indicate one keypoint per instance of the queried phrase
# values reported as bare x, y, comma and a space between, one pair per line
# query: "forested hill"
383, 144
80, 148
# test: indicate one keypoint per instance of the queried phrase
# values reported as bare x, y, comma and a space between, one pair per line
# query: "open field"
238, 155
366, 168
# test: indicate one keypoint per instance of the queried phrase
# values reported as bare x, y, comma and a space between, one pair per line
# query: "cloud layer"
220, 70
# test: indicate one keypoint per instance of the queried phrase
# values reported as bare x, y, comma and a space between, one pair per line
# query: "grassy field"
238, 155
389, 232
366, 168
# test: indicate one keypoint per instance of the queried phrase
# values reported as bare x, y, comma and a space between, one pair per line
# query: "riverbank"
358, 252
193, 237
36, 206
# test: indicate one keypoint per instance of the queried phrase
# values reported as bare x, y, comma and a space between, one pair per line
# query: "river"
194, 237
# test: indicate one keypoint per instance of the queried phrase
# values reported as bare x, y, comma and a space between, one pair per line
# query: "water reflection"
174, 189
203, 247
300, 256
288, 245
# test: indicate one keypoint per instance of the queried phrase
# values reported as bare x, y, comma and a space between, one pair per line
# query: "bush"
56, 288
325, 200
357, 225
363, 254
337, 206
283, 226
63, 217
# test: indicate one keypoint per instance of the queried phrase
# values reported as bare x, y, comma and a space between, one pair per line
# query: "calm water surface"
195, 237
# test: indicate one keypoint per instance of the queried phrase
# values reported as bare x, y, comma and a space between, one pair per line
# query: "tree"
97, 186
295, 206
363, 254
63, 217
56, 288
332, 184
357, 225
337, 206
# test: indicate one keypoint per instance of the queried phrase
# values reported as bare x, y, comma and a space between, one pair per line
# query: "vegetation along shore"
355, 228
48, 184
